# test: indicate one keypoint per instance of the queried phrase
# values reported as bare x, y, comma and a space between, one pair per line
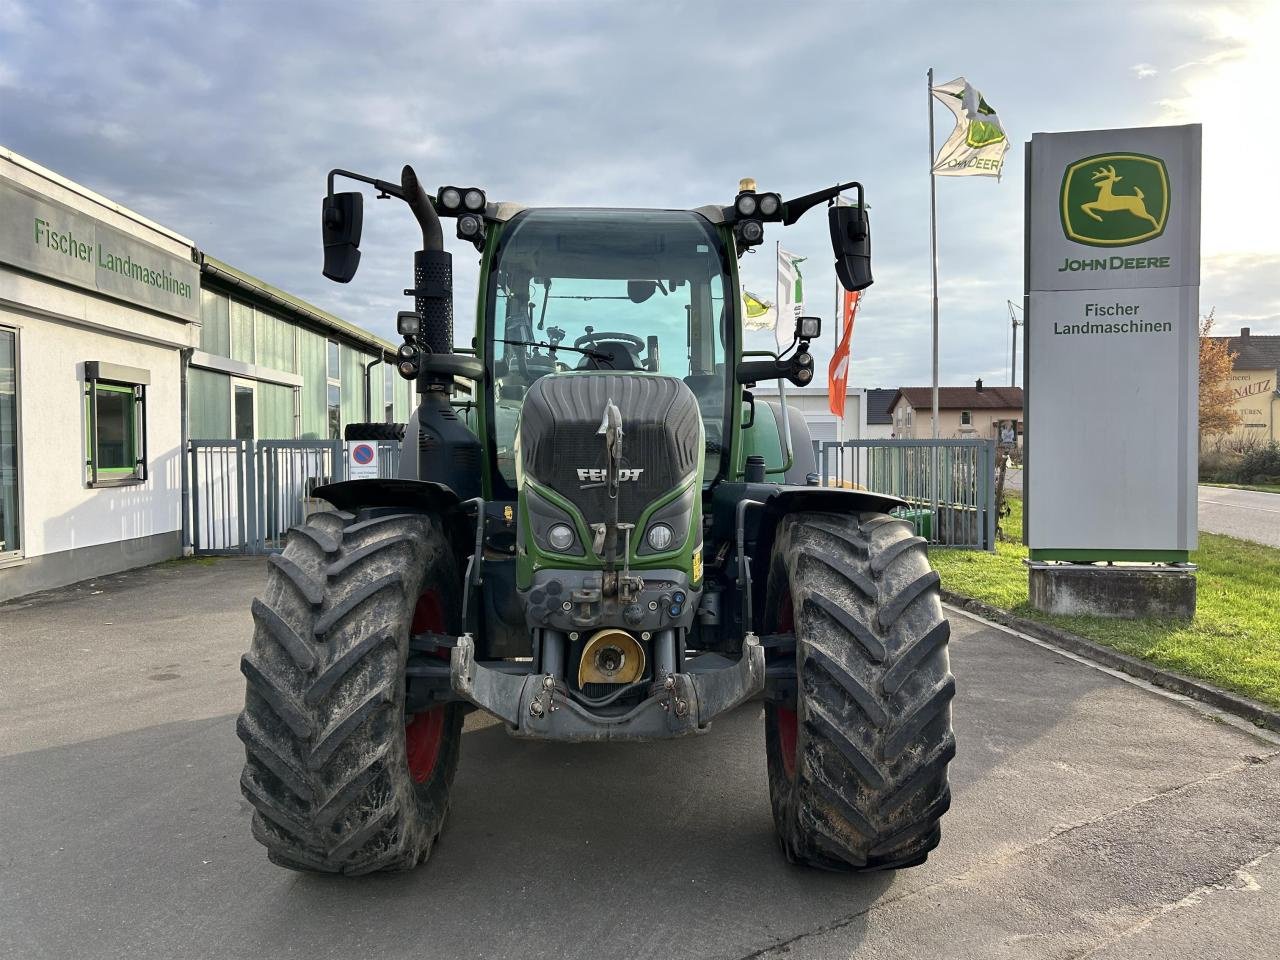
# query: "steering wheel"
596, 336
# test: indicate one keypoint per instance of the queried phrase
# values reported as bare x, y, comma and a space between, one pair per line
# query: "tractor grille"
559, 435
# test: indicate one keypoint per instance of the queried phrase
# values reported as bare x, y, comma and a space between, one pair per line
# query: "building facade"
1255, 385
119, 342
979, 412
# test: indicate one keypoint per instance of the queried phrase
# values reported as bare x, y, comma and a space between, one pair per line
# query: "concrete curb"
1256, 713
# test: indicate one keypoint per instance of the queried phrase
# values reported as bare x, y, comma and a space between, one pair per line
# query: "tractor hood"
563, 439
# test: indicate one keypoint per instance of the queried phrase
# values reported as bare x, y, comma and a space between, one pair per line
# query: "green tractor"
606, 537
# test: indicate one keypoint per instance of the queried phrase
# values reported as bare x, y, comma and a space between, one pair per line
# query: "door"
243, 408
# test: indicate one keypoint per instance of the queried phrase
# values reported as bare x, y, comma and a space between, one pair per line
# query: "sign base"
1128, 593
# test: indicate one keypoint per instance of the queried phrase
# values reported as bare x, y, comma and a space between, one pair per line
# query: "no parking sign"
362, 460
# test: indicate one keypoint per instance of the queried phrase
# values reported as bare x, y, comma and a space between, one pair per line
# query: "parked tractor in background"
608, 542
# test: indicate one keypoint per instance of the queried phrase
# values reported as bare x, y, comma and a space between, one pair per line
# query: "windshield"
608, 290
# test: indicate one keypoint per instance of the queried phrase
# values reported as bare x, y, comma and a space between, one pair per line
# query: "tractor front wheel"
340, 778
858, 763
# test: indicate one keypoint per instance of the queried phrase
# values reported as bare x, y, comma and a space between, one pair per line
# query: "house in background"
979, 412
1254, 384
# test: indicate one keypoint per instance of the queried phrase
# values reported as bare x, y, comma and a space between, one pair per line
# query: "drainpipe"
184, 406
368, 390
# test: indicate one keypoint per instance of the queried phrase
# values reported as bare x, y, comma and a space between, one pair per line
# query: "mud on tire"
327, 771
858, 770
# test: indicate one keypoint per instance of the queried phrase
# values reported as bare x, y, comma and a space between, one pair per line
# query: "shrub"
1259, 465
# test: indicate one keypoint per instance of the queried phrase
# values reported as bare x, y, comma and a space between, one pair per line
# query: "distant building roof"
879, 405
1254, 352
977, 397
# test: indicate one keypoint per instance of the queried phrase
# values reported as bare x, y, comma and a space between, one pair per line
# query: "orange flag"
838, 372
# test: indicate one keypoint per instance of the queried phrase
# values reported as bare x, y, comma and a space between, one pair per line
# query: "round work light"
560, 536
660, 536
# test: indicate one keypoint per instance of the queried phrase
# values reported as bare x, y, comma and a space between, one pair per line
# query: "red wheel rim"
786, 717
424, 732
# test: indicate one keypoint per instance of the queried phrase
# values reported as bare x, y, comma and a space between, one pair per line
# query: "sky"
221, 120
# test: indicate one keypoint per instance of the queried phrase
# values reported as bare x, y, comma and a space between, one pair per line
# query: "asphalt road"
1245, 514
1091, 818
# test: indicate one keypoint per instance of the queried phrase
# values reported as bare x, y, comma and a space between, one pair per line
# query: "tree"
1218, 414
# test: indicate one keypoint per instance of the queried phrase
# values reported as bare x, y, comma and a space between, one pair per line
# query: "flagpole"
933, 250
933, 262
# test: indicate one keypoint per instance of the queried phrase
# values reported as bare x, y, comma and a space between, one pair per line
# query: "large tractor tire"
383, 432
341, 780
858, 765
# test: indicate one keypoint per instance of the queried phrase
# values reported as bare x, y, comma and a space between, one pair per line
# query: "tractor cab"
607, 291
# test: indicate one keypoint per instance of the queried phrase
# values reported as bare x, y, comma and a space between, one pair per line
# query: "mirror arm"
793, 210
384, 188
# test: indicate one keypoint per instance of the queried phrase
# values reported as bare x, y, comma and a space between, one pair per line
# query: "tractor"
596, 533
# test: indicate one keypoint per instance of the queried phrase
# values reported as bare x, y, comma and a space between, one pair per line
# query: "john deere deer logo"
1097, 212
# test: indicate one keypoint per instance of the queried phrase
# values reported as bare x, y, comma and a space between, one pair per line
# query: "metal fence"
246, 494
949, 485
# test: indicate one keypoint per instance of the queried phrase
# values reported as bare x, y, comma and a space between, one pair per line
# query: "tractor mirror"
341, 219
851, 244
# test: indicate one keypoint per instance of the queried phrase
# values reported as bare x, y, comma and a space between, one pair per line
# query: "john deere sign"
1115, 199
54, 240
1113, 274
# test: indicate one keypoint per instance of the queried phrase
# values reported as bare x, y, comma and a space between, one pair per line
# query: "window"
966, 418
333, 392
10, 526
115, 424
335, 412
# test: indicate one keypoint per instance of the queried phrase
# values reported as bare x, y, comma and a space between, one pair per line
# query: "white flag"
790, 297
977, 145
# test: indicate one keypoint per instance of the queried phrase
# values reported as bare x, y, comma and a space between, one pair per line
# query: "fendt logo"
1115, 199
600, 474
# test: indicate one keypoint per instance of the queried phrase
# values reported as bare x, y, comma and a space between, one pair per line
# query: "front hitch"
537, 706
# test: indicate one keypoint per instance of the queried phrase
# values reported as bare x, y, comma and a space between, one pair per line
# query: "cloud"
221, 119
1144, 71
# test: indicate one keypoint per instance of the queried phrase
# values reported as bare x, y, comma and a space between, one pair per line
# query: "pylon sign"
1112, 301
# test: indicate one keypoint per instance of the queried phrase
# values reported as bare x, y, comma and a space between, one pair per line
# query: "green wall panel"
215, 329
311, 365
209, 405
275, 412
241, 331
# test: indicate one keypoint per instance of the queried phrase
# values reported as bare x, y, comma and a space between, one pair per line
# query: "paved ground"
1246, 514
1091, 818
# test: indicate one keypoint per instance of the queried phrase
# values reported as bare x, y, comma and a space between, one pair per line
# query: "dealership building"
120, 342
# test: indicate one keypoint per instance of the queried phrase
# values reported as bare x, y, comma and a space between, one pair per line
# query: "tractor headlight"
408, 369
408, 323
746, 204
469, 226
407, 351
473, 200
751, 231
769, 204
450, 198
560, 536
660, 537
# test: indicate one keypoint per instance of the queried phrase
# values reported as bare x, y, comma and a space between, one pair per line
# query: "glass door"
10, 526
243, 408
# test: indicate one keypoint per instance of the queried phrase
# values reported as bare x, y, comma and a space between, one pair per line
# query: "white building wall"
70, 530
